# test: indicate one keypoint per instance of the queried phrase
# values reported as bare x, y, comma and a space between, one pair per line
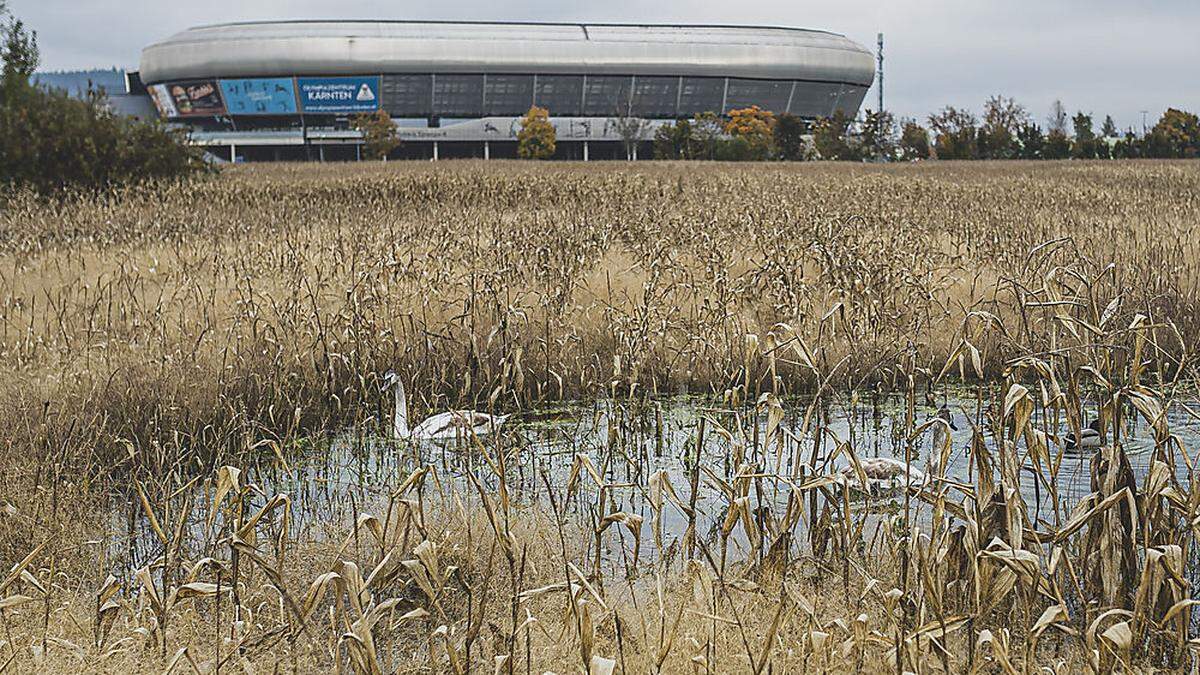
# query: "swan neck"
400, 421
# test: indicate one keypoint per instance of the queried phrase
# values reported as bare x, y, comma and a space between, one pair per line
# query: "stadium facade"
288, 89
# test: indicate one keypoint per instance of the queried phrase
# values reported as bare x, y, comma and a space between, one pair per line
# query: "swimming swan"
883, 473
442, 426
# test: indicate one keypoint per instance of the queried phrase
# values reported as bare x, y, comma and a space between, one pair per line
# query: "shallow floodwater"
629, 443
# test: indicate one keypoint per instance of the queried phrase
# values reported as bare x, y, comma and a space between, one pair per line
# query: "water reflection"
633, 445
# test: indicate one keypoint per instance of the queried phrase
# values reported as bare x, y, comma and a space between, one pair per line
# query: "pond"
636, 447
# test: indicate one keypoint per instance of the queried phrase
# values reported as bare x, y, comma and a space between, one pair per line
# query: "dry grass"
151, 338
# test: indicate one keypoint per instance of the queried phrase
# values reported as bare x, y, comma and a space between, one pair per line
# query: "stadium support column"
233, 153
487, 151
435, 151
585, 151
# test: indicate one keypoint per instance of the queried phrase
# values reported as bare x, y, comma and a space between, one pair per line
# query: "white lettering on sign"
329, 95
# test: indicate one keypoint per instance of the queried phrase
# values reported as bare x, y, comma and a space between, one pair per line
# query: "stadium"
289, 89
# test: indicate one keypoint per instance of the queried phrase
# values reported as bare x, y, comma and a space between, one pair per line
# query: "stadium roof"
274, 48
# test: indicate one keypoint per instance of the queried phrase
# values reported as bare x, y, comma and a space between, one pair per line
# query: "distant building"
287, 90
76, 82
122, 91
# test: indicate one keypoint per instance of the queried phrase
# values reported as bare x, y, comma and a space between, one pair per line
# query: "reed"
175, 354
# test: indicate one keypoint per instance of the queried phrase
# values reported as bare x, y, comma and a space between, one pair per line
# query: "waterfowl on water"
946, 416
1088, 439
940, 436
939, 431
442, 426
883, 472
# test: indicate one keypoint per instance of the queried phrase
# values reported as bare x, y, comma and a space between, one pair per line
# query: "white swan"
883, 473
1089, 438
442, 426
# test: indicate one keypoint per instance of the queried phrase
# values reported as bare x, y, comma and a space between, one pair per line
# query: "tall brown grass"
154, 339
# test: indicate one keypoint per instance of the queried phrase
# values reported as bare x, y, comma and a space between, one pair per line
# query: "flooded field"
651, 456
202, 475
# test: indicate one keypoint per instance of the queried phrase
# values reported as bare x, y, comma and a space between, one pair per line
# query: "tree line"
1006, 130
51, 141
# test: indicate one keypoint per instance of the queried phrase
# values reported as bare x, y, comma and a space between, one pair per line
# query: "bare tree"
629, 127
1057, 119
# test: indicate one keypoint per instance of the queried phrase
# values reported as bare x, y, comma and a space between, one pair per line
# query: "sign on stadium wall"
267, 96
338, 94
162, 100
196, 99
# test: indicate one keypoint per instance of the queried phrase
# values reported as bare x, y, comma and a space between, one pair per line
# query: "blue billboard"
272, 96
338, 94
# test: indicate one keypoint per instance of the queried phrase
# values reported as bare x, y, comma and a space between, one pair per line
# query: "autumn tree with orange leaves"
754, 127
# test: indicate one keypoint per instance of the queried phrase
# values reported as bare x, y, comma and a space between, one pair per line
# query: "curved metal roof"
358, 47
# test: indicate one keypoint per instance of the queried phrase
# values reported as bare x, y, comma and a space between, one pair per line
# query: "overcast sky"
1099, 56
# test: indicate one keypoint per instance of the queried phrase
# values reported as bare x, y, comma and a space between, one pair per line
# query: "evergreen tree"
1109, 128
50, 141
1031, 141
1057, 145
914, 141
1129, 147
20, 54
877, 137
789, 137
1084, 144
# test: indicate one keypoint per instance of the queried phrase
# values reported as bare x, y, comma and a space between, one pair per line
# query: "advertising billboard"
162, 100
196, 99
270, 96
338, 94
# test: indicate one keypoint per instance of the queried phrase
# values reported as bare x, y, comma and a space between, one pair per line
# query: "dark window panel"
701, 94
766, 94
458, 95
607, 95
851, 98
408, 95
508, 94
655, 96
815, 99
562, 95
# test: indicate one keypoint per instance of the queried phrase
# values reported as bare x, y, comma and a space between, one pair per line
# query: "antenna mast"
880, 71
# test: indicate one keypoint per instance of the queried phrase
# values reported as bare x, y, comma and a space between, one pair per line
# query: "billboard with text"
266, 96
334, 95
196, 99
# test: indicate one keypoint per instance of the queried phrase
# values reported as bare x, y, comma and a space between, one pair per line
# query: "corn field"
705, 369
